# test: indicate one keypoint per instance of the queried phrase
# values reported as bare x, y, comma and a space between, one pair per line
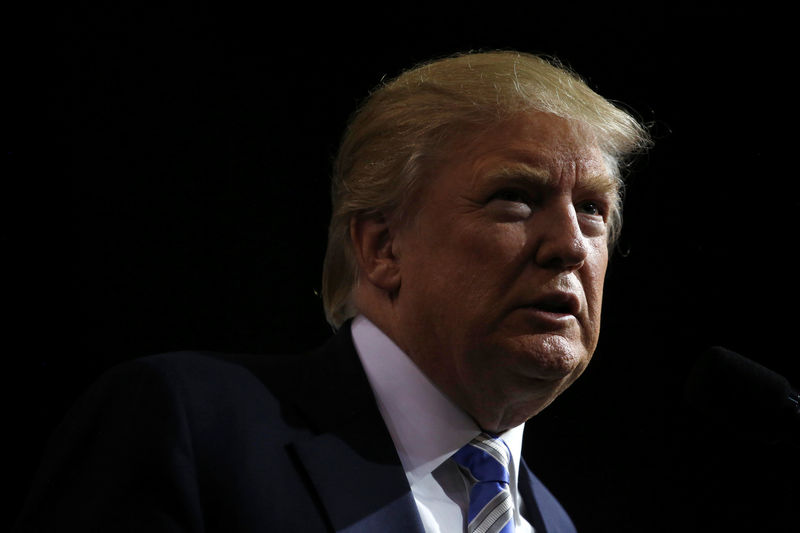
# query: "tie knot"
486, 457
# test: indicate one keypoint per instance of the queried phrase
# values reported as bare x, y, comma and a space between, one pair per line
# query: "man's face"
502, 269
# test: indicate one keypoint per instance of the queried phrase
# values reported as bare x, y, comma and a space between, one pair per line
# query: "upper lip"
558, 302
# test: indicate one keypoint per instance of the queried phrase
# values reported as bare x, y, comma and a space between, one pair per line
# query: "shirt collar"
426, 426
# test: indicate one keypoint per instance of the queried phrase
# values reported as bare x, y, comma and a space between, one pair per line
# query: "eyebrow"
527, 174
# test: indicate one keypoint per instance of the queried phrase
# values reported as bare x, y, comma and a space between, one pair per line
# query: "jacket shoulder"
165, 439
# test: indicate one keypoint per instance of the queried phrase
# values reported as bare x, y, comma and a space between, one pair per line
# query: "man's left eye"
590, 208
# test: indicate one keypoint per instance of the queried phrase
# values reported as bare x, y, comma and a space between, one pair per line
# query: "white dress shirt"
427, 429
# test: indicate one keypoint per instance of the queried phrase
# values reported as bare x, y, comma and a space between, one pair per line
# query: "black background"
185, 205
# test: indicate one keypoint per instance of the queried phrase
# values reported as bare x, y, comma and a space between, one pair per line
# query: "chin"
550, 357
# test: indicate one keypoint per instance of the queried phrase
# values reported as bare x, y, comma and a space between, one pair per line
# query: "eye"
512, 195
592, 208
589, 208
513, 203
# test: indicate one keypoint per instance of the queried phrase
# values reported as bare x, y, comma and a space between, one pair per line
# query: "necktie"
490, 503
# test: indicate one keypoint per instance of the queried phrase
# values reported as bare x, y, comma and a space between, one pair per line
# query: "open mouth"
558, 303
553, 307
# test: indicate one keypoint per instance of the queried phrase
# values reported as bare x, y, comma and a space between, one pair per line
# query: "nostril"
563, 264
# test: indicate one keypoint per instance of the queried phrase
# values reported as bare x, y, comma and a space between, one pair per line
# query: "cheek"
488, 261
473, 262
492, 245
594, 275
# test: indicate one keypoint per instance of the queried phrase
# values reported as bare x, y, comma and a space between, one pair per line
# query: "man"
474, 202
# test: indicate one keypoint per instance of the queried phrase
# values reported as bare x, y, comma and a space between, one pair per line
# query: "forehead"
537, 145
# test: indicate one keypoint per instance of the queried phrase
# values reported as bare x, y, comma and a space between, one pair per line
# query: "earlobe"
375, 251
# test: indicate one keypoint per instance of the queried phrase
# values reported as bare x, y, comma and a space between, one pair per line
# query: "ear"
373, 243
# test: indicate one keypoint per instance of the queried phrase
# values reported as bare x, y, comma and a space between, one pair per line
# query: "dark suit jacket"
210, 442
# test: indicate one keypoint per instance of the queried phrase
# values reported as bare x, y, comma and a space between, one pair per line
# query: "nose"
560, 242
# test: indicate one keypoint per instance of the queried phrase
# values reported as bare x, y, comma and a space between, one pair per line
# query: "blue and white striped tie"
491, 507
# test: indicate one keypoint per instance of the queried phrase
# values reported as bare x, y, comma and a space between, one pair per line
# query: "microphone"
739, 393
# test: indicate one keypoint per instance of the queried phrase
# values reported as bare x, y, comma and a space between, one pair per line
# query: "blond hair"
408, 123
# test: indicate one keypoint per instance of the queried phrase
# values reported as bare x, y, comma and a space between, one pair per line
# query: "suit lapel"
542, 510
526, 484
358, 492
351, 461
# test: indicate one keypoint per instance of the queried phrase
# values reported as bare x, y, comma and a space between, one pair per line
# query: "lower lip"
549, 319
